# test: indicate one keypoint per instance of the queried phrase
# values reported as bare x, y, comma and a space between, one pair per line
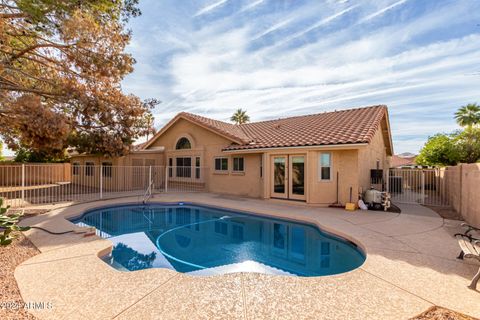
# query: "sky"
279, 58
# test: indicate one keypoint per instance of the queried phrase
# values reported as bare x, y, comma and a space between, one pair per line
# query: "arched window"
183, 143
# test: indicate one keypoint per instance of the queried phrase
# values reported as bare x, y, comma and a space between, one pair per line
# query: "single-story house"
320, 159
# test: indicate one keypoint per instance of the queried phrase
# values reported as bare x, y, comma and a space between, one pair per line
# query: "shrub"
9, 224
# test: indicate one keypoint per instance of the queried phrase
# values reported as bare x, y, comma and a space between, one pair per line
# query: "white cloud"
411, 66
252, 5
210, 7
382, 11
319, 24
273, 28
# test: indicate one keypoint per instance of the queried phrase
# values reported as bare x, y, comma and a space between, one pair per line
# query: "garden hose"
51, 232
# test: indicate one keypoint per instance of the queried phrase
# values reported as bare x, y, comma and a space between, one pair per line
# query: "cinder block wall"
463, 190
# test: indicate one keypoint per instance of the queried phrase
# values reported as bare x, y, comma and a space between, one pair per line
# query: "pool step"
246, 266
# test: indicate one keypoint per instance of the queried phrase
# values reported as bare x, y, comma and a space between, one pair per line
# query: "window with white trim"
197, 167
184, 167
238, 164
325, 166
221, 164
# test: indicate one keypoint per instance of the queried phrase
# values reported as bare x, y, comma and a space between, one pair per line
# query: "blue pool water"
203, 241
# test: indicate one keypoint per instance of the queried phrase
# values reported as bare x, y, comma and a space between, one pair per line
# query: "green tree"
446, 150
61, 67
240, 116
26, 155
468, 116
440, 150
468, 145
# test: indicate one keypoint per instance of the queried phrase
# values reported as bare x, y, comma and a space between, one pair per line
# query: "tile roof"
398, 161
231, 130
329, 128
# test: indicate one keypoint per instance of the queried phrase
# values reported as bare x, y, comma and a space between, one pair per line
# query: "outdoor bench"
470, 249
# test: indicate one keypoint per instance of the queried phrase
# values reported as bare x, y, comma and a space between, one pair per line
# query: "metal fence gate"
422, 186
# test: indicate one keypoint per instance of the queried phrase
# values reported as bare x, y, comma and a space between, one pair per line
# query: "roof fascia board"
319, 147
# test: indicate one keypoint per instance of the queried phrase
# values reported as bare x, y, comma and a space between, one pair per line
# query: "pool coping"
76, 250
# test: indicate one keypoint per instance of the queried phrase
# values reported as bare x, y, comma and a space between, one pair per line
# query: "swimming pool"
202, 240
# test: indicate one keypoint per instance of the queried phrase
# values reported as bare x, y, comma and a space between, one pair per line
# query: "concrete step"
245, 266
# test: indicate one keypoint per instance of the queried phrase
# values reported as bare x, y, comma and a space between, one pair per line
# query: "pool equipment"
377, 200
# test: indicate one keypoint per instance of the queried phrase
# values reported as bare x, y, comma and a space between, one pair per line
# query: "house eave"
343, 146
151, 150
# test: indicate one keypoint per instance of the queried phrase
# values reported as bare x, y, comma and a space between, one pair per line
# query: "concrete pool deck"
410, 266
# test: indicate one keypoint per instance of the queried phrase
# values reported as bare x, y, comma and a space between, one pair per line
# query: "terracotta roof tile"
338, 127
231, 130
402, 161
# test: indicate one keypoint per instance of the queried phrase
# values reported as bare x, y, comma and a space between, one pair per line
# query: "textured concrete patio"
410, 266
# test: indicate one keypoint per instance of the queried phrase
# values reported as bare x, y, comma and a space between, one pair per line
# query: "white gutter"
318, 147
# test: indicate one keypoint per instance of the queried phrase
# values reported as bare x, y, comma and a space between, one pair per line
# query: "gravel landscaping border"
439, 313
11, 302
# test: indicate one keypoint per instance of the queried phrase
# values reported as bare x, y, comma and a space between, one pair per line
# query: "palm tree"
240, 116
468, 116
149, 119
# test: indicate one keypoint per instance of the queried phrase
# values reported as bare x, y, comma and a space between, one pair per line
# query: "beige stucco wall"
248, 183
208, 145
124, 176
137, 159
344, 161
367, 160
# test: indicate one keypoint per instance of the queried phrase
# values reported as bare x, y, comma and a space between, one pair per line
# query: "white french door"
288, 177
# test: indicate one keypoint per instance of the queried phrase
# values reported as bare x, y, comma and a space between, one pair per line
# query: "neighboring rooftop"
403, 160
351, 126
406, 155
